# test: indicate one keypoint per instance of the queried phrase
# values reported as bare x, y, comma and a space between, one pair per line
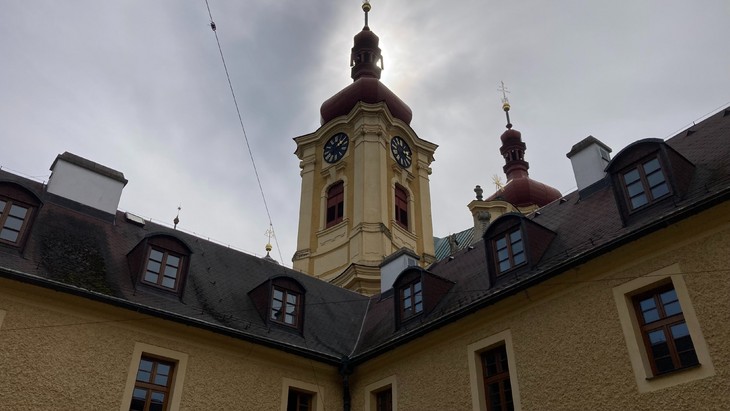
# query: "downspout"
345, 371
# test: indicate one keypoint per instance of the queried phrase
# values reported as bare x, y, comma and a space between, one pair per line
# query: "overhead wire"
243, 129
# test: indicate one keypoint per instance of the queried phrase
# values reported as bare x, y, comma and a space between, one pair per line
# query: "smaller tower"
520, 193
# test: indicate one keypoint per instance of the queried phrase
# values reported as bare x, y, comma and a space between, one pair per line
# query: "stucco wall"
61, 352
569, 348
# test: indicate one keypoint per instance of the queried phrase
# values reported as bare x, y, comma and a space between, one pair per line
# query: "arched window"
401, 206
335, 204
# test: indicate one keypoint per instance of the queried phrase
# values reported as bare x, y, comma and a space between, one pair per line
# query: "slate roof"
76, 249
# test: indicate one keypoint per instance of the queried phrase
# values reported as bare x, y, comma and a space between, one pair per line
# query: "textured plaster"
568, 343
62, 352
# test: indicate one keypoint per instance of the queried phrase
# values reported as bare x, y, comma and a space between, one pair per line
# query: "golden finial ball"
505, 106
366, 5
268, 247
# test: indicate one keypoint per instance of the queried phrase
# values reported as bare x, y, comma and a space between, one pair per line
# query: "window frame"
507, 237
639, 167
163, 265
476, 373
401, 198
178, 378
299, 394
317, 393
501, 377
336, 200
645, 378
25, 224
149, 386
663, 323
297, 314
406, 313
372, 390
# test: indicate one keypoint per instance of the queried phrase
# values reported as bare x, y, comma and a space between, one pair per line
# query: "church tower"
365, 180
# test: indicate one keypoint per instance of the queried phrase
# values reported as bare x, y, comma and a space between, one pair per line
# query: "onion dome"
367, 63
520, 190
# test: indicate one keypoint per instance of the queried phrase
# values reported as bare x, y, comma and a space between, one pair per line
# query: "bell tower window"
401, 206
335, 204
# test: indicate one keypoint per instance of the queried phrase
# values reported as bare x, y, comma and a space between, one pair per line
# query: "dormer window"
335, 204
160, 261
281, 302
285, 306
13, 220
645, 183
510, 251
163, 268
645, 175
416, 292
17, 208
411, 297
514, 243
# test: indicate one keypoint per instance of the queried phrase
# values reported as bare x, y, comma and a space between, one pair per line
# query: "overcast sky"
139, 87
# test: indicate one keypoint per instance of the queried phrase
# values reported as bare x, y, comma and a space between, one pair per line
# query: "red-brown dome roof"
520, 190
524, 192
368, 90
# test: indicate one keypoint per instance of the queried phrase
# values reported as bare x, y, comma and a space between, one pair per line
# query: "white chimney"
393, 265
589, 158
86, 182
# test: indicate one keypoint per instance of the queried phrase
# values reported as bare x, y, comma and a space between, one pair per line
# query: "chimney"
589, 158
86, 182
393, 265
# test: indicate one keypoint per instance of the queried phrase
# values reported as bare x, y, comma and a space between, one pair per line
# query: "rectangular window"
163, 269
299, 401
509, 251
285, 306
384, 400
401, 206
152, 385
645, 184
497, 387
335, 204
411, 299
13, 218
664, 330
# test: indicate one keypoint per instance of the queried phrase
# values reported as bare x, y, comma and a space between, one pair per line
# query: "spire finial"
269, 233
366, 8
177, 217
505, 102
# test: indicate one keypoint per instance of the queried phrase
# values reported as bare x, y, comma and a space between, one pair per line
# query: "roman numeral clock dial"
335, 148
401, 152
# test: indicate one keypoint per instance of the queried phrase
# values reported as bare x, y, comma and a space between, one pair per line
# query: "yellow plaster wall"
63, 352
567, 340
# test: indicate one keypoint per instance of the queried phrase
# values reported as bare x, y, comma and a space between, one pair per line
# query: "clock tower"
365, 180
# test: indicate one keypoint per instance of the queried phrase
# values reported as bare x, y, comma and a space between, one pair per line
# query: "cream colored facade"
59, 351
348, 254
566, 345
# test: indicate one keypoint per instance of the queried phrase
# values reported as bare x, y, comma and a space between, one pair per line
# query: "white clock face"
401, 152
336, 147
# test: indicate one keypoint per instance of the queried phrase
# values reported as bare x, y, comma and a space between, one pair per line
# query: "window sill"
673, 372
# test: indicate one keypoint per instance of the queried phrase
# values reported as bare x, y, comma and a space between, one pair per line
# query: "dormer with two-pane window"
514, 244
416, 294
280, 302
17, 210
160, 261
648, 174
